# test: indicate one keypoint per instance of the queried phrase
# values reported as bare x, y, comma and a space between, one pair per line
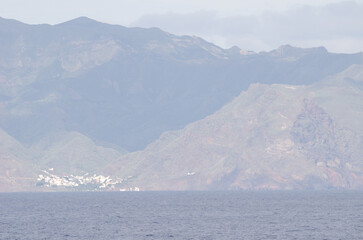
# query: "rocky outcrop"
270, 137
74, 95
126, 86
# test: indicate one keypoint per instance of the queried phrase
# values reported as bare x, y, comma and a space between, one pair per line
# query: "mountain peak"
10, 22
81, 21
290, 51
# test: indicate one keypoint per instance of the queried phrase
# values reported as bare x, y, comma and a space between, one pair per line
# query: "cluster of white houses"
84, 182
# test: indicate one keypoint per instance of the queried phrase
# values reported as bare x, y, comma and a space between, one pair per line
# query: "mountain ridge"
291, 142
89, 91
107, 69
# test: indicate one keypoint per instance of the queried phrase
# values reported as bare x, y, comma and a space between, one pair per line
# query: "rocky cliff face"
126, 86
269, 137
73, 96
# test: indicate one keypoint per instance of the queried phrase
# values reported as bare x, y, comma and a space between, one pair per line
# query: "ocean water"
182, 215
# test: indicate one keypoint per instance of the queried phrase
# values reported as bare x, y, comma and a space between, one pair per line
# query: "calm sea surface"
182, 215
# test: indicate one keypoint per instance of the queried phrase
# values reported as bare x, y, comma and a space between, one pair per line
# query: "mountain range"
269, 137
175, 112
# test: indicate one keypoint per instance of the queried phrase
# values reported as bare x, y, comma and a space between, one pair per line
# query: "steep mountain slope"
65, 153
73, 96
16, 171
126, 86
269, 137
71, 153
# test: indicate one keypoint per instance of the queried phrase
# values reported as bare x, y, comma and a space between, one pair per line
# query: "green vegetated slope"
269, 137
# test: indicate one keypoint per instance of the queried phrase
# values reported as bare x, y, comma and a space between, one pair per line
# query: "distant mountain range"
78, 96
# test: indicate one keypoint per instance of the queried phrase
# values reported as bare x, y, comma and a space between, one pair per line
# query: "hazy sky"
250, 24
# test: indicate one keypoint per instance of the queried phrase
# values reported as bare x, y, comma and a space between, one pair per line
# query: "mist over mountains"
78, 96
